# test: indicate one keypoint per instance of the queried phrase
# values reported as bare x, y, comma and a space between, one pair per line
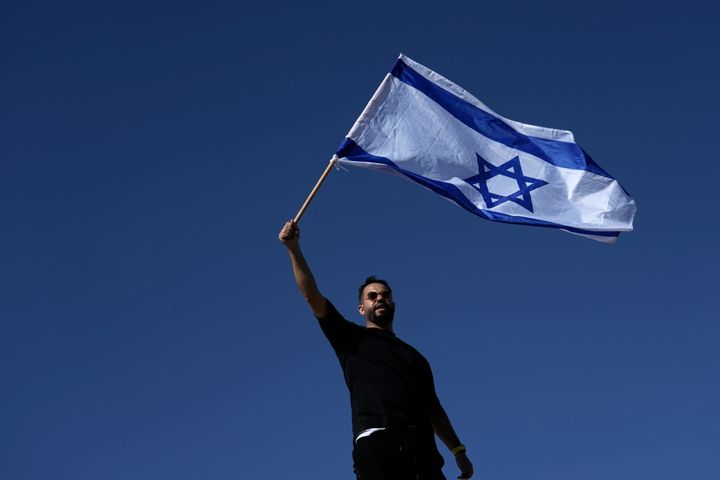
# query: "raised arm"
290, 237
443, 429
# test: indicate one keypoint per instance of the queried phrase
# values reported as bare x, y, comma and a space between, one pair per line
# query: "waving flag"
423, 127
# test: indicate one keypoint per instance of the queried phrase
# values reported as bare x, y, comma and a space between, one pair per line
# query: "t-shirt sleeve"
433, 402
341, 333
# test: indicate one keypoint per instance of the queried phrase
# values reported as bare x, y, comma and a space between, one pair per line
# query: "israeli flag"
424, 128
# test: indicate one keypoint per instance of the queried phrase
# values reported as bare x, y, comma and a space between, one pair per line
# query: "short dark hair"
368, 281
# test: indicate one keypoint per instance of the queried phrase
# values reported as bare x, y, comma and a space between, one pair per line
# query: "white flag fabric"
424, 128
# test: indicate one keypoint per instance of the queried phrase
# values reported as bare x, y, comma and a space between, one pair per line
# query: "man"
395, 410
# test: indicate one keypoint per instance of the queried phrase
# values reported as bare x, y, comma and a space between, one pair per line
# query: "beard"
385, 319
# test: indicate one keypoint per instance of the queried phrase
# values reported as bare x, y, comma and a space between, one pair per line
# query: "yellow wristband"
458, 449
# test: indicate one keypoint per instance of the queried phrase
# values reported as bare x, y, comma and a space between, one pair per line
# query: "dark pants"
398, 454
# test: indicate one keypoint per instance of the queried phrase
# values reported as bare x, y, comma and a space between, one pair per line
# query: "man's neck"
369, 324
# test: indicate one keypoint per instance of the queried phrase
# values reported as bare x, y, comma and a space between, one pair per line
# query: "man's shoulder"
333, 314
337, 328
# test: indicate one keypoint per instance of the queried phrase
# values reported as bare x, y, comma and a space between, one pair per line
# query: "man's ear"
361, 310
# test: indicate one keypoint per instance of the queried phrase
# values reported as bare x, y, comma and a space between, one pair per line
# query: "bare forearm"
303, 276
290, 237
444, 429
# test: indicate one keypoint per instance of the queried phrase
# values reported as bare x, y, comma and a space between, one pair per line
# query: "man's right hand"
290, 235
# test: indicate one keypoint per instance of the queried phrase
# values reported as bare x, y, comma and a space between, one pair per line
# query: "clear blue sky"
150, 152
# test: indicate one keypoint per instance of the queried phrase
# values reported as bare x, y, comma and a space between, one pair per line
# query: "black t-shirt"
390, 383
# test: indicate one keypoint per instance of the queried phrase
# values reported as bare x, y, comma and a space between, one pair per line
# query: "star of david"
511, 169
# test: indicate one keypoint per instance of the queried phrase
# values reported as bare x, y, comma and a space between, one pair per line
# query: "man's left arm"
444, 429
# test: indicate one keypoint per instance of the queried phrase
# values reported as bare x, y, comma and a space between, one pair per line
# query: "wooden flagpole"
315, 189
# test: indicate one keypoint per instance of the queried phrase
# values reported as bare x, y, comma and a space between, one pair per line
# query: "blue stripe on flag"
350, 150
561, 154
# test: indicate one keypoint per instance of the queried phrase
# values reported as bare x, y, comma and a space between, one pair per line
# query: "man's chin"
384, 319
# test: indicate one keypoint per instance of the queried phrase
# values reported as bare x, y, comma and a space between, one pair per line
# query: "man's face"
377, 305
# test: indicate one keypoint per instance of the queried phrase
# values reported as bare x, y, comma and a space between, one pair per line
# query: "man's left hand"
463, 463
